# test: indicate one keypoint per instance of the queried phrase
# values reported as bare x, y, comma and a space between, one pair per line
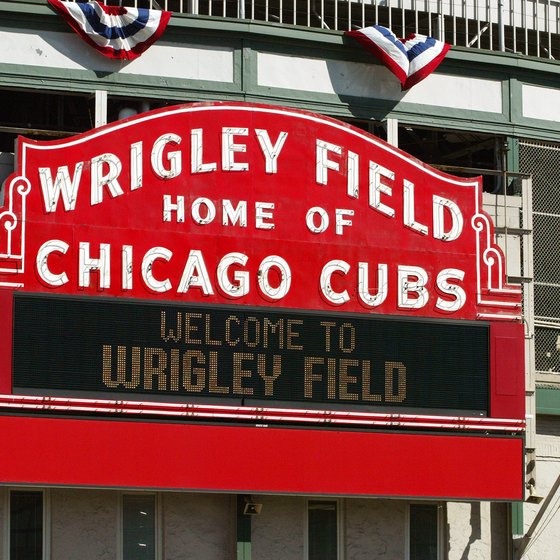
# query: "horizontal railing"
527, 27
258, 415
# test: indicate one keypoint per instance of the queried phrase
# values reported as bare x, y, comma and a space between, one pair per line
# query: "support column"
243, 530
100, 107
393, 132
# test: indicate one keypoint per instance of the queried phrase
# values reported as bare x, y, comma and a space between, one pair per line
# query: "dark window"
423, 532
455, 148
139, 527
26, 525
42, 115
322, 530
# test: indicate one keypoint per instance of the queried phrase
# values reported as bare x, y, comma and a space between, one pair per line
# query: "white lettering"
341, 220
42, 265
271, 152
87, 265
195, 275
232, 216
406, 287
109, 179
323, 219
439, 204
408, 209
262, 215
282, 267
229, 149
376, 188
457, 292
169, 207
196, 154
155, 253
363, 285
240, 287
136, 166
62, 184
210, 211
332, 267
323, 162
173, 158
353, 175
126, 267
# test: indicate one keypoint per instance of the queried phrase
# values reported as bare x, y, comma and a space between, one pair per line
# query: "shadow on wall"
476, 531
500, 530
497, 533
368, 88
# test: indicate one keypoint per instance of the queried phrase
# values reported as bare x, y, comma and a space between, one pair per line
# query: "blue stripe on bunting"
111, 33
411, 59
388, 34
420, 48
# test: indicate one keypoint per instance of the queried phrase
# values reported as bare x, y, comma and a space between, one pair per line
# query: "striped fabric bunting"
114, 31
411, 59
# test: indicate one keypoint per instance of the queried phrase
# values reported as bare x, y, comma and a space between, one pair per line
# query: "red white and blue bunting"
411, 59
114, 31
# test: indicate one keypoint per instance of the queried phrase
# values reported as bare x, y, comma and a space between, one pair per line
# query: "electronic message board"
89, 345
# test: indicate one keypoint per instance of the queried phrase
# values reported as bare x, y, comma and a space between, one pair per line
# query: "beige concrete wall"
278, 531
374, 529
193, 526
198, 526
371, 529
202, 526
84, 521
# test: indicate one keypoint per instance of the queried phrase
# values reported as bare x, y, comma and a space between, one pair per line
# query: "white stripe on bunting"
115, 32
411, 59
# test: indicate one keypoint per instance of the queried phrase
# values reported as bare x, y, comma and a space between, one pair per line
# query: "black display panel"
192, 353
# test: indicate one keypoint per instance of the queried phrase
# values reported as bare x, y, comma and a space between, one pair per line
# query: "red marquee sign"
239, 206
252, 205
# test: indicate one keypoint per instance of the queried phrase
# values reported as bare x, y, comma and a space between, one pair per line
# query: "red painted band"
51, 451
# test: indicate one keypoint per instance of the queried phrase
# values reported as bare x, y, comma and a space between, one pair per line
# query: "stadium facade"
259, 303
